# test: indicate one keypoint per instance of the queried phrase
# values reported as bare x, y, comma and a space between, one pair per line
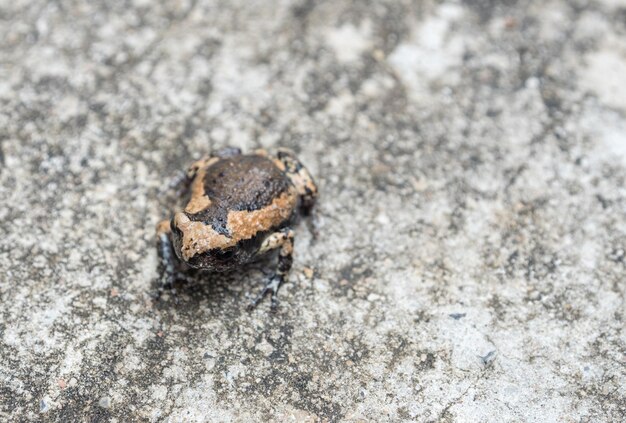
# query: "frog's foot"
271, 287
282, 239
167, 284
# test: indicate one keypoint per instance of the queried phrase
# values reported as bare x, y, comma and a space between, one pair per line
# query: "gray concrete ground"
470, 264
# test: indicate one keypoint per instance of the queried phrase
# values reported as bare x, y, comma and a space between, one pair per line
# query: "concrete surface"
470, 264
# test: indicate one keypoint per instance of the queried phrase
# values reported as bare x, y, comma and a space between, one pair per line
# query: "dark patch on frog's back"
247, 182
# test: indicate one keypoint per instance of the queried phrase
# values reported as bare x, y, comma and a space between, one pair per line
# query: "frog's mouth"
215, 260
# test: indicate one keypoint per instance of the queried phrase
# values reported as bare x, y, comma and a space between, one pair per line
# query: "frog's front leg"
169, 272
282, 239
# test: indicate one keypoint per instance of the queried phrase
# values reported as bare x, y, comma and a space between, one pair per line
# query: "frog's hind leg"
282, 239
299, 176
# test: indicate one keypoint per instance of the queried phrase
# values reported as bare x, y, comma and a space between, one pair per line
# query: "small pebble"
105, 402
308, 272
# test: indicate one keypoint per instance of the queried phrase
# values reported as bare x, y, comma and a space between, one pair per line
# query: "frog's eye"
224, 255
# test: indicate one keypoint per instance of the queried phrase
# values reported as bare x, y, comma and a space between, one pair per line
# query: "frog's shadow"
218, 293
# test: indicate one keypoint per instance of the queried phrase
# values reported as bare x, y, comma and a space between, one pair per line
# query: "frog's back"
246, 182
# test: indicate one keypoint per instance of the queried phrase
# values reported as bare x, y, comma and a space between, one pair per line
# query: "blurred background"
471, 157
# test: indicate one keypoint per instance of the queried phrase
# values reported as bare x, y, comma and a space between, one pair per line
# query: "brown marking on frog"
199, 201
198, 237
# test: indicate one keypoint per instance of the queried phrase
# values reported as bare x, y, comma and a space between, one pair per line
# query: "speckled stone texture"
470, 264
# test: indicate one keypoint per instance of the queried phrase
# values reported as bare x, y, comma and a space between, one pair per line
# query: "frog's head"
200, 246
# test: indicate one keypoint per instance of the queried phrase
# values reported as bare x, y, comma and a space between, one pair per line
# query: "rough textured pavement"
470, 262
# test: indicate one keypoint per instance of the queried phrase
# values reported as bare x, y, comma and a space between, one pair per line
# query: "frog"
238, 208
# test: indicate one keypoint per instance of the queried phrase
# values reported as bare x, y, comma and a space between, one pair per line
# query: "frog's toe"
271, 287
168, 284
